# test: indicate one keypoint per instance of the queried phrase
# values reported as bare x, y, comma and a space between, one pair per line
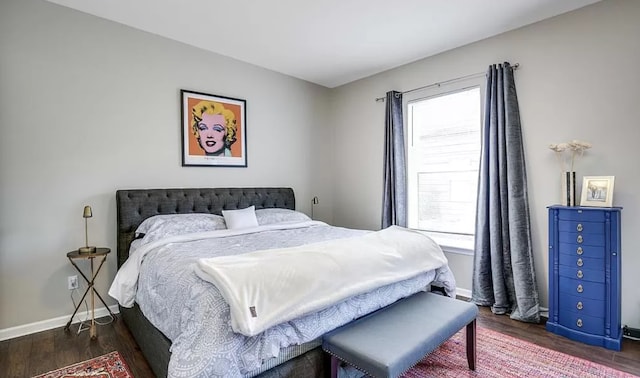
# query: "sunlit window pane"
444, 157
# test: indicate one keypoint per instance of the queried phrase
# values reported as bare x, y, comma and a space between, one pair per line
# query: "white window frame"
434, 91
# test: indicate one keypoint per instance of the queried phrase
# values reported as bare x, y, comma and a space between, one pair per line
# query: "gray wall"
579, 79
87, 107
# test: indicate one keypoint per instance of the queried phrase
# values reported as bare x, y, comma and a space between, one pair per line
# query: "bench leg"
471, 344
334, 367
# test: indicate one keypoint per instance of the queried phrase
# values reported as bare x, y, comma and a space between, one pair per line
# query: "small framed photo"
597, 191
214, 130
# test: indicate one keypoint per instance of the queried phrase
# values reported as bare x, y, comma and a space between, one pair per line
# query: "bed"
301, 359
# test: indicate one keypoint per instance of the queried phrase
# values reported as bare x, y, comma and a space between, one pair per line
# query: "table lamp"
314, 202
86, 249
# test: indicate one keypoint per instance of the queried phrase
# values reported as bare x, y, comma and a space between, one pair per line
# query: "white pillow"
275, 215
243, 218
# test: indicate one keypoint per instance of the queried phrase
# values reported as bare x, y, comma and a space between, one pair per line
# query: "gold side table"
75, 255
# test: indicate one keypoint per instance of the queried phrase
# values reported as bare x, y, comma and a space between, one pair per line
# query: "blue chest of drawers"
584, 275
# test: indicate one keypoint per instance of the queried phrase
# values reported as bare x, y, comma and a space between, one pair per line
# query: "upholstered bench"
390, 341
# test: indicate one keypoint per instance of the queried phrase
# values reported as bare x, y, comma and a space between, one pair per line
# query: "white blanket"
268, 287
124, 285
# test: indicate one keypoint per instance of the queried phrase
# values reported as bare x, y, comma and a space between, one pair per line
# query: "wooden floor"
45, 351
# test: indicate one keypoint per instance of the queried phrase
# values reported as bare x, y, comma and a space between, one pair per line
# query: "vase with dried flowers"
575, 149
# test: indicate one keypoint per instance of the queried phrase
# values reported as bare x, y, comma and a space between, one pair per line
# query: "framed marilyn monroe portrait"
213, 130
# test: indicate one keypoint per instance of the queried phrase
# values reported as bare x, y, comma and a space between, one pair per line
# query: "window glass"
444, 132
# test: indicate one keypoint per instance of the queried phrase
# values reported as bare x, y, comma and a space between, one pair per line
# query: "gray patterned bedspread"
193, 315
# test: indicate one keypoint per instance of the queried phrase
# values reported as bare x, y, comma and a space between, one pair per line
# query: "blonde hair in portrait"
214, 108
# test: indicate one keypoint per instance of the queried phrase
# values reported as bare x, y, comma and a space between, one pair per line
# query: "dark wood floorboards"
45, 351
42, 352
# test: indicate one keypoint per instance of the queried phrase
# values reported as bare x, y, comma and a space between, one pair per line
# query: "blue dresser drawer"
592, 275
577, 250
581, 262
582, 306
580, 238
584, 227
581, 215
583, 323
581, 288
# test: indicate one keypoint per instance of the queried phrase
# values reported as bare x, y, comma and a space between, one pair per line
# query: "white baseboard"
44, 325
463, 292
467, 294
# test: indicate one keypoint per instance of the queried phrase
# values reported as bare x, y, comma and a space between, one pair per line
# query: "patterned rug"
111, 365
500, 355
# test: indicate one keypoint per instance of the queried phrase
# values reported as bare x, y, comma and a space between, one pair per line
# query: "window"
444, 131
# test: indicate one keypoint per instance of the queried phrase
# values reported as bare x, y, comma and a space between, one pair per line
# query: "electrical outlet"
631, 332
72, 282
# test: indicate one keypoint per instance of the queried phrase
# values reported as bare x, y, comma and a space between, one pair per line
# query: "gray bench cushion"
388, 342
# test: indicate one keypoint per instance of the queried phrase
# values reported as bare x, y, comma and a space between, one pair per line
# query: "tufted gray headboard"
134, 206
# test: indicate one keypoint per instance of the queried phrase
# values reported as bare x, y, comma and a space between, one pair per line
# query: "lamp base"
87, 249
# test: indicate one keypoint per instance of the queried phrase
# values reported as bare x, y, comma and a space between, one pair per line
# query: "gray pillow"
160, 226
271, 216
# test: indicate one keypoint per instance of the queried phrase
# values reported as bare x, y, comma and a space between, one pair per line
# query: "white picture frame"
597, 191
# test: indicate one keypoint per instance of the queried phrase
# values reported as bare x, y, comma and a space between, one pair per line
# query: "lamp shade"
86, 213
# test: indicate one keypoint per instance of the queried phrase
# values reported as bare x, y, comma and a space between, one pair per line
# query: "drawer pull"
580, 289
579, 323
579, 306
579, 228
579, 251
579, 262
579, 240
579, 274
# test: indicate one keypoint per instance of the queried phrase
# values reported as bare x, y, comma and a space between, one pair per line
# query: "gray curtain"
394, 201
503, 271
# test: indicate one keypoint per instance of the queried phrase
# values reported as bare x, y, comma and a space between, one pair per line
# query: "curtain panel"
394, 200
503, 271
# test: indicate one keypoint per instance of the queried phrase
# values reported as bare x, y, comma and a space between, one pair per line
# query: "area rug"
500, 355
110, 365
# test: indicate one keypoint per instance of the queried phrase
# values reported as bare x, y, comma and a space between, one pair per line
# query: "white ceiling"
328, 42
